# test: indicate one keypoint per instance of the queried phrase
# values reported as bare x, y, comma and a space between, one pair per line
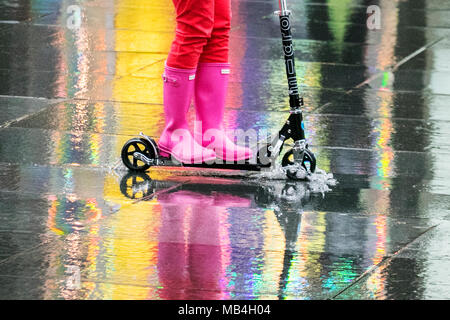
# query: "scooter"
140, 153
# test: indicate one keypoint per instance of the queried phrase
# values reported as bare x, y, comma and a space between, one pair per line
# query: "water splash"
318, 182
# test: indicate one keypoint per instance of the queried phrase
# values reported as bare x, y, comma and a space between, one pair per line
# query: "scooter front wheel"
308, 164
141, 146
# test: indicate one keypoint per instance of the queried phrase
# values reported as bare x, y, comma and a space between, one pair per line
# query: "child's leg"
216, 49
195, 21
211, 84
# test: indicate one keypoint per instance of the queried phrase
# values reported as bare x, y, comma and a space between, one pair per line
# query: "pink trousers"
202, 33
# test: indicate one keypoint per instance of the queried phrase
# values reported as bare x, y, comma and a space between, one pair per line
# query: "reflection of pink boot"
176, 139
211, 85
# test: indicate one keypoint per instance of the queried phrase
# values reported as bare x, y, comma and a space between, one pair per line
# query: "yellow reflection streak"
131, 247
140, 55
274, 245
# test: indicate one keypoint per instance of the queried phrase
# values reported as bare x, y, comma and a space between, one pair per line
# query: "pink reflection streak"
194, 247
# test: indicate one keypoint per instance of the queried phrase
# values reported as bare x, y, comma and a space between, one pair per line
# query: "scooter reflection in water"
191, 240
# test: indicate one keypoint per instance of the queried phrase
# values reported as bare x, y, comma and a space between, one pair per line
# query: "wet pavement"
75, 225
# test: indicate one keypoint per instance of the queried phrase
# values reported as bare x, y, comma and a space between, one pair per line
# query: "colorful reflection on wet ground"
74, 225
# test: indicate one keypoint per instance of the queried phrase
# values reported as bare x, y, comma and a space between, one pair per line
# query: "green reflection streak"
339, 13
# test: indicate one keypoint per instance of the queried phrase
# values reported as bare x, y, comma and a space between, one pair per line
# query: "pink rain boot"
176, 139
211, 85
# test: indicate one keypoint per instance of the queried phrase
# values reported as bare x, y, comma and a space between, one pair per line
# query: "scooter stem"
295, 101
283, 6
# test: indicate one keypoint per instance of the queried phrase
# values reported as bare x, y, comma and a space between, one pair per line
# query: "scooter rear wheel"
137, 145
309, 162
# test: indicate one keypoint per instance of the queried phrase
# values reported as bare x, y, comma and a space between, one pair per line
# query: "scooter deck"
163, 161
